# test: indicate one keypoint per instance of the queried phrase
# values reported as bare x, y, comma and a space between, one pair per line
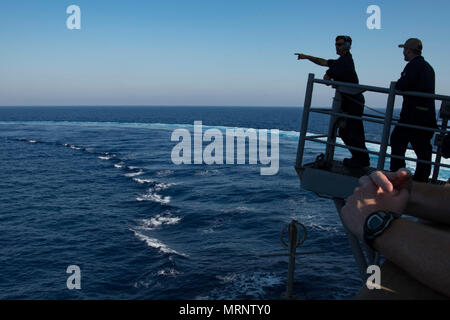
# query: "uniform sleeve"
336, 69
330, 62
407, 79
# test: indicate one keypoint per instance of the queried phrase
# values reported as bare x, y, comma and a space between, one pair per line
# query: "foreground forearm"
423, 252
430, 202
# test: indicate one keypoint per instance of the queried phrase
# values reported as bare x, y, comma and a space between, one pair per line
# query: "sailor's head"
343, 44
411, 48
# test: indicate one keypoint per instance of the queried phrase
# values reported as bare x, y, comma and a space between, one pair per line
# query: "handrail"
383, 90
396, 122
315, 139
327, 110
388, 121
352, 85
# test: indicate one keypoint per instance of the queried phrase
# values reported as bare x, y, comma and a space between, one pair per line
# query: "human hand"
392, 181
370, 197
301, 56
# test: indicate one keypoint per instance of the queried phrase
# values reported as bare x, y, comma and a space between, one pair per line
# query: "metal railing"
371, 257
387, 122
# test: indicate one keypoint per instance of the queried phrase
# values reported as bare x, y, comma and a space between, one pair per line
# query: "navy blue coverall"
353, 135
418, 76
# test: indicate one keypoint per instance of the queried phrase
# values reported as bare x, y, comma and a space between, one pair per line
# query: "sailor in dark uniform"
417, 76
343, 69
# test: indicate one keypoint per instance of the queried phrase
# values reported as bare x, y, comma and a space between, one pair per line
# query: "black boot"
356, 163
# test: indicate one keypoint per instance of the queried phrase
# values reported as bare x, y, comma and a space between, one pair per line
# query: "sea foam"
158, 221
133, 174
154, 197
157, 244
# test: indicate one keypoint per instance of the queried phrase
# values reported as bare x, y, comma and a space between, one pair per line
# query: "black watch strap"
375, 224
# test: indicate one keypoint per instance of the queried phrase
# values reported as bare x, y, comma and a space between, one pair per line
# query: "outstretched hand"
301, 56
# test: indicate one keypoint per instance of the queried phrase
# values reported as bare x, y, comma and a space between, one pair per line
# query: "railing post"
305, 119
438, 158
336, 108
292, 233
387, 127
355, 245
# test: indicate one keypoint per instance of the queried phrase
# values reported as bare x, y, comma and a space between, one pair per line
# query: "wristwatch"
376, 223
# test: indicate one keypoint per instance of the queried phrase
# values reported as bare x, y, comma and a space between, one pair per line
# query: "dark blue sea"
95, 187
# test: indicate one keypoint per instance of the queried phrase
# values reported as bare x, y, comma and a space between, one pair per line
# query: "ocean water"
95, 187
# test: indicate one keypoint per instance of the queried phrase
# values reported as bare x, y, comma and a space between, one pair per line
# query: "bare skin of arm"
429, 202
425, 201
421, 251
318, 61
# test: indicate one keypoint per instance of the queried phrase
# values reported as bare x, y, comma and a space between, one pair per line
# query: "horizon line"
200, 106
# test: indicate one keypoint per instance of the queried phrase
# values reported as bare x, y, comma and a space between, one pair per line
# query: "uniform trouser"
421, 143
353, 136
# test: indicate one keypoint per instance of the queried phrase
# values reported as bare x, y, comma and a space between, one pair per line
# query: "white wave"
154, 197
132, 168
143, 181
158, 221
155, 243
151, 126
75, 148
119, 165
168, 272
317, 222
320, 227
32, 141
133, 174
289, 135
163, 186
107, 157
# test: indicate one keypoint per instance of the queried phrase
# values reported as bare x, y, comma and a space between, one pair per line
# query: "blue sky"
196, 52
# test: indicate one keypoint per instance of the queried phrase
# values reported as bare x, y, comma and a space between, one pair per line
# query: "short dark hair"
346, 39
